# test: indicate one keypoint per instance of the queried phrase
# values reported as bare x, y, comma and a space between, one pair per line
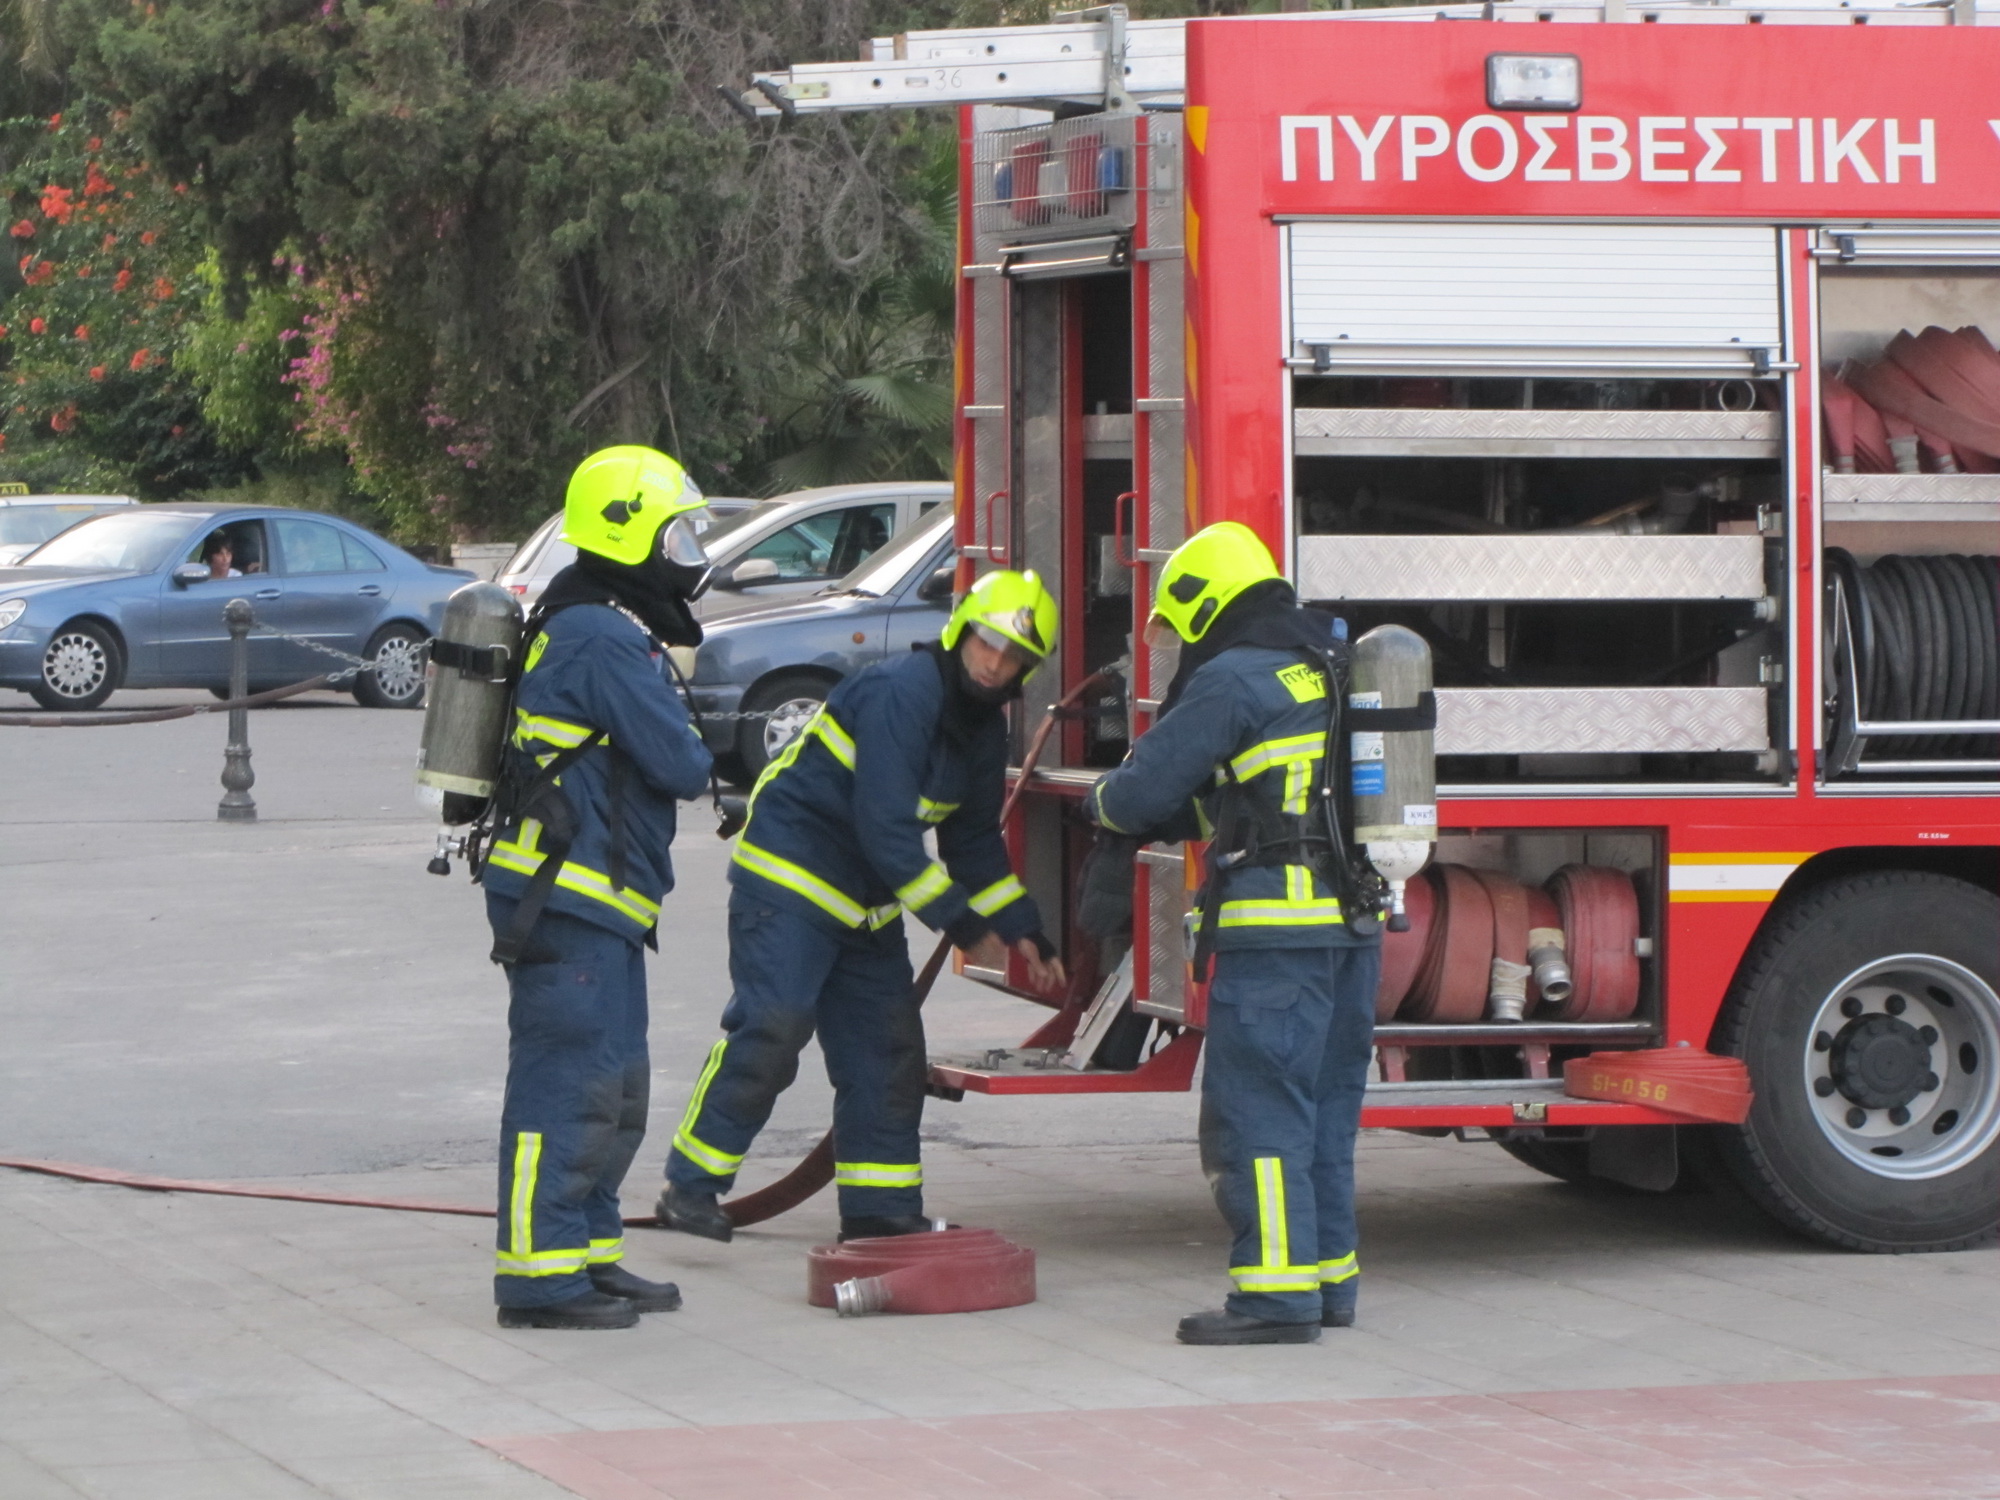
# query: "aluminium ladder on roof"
1071, 61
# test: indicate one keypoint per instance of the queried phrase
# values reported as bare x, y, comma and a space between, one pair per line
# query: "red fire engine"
1643, 368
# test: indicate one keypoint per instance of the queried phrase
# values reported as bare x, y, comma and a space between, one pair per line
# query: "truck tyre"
398, 652
82, 666
1566, 1161
1866, 1012
788, 701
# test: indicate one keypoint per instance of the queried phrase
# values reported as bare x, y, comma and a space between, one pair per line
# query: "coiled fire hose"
815, 1168
1925, 641
1483, 946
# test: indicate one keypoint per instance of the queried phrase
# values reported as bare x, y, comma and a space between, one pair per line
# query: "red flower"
25, 230
38, 325
83, 332
96, 143
3, 330
54, 121
122, 280
147, 238
63, 420
107, 242
56, 204
83, 270
97, 372
95, 183
162, 288
138, 360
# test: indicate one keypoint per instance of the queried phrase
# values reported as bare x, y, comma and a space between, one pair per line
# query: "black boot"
1233, 1328
881, 1228
1336, 1317
693, 1213
585, 1310
645, 1296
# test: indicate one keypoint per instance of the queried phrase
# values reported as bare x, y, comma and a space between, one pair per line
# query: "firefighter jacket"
1256, 714
589, 668
837, 821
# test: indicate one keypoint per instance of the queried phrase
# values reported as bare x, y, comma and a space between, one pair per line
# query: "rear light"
517, 588
1534, 80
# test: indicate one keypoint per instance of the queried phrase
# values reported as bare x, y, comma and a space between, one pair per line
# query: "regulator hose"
815, 1168
1925, 644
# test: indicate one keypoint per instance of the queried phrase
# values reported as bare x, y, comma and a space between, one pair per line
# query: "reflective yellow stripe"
1298, 907
926, 888
524, 859
1294, 754
997, 895
836, 739
561, 732
934, 812
1097, 808
882, 916
877, 1174
521, 1208
546, 1263
521, 1258
692, 1146
1276, 1273
606, 1252
1344, 1269
841, 908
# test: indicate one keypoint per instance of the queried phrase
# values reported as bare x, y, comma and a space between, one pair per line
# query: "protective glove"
1104, 905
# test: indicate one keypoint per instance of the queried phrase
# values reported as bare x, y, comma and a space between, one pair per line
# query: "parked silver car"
769, 551
26, 521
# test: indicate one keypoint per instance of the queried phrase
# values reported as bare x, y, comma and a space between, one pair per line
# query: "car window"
716, 538
310, 546
132, 543
863, 531
925, 507
360, 558
249, 549
801, 550
885, 572
37, 523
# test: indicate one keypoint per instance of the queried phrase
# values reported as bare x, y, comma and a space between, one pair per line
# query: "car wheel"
1868, 1017
784, 705
82, 666
399, 654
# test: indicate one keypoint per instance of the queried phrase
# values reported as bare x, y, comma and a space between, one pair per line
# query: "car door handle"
269, 594
372, 590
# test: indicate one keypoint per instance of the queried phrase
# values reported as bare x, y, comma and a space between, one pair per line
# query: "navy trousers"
1289, 1038
790, 976
575, 1109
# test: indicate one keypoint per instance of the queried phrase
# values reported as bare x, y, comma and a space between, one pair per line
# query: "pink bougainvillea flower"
97, 372
83, 332
122, 280
38, 325
24, 230
139, 359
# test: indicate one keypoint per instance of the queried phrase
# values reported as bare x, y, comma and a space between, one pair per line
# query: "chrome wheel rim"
1902, 1066
399, 667
75, 665
786, 720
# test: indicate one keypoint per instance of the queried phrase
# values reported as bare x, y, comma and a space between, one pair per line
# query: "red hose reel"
1479, 946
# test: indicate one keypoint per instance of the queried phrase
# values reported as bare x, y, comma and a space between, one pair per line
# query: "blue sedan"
780, 663
134, 598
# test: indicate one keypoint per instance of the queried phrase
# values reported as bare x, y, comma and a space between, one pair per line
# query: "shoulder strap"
543, 800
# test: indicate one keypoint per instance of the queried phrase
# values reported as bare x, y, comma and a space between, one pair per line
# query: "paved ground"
299, 1003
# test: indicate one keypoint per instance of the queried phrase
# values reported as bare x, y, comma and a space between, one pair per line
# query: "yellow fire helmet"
1007, 610
620, 498
1205, 572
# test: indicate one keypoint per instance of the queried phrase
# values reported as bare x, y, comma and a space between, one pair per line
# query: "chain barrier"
357, 664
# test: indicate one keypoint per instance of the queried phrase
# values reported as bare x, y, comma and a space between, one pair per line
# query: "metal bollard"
237, 805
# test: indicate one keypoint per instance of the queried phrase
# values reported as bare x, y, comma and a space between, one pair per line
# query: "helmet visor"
680, 544
1013, 650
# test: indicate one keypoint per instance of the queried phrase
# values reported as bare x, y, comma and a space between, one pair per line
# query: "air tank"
473, 662
1394, 769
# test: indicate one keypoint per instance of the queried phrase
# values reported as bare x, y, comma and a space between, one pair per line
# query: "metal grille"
1602, 721
1056, 181
1496, 569
1164, 992
1524, 285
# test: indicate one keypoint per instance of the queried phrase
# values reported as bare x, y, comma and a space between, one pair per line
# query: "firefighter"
602, 747
832, 855
1244, 727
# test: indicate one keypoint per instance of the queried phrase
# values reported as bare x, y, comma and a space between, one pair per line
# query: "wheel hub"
1881, 1062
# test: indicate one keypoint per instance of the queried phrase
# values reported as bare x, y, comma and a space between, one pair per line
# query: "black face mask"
656, 590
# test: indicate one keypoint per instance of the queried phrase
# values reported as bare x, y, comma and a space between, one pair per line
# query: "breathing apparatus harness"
528, 788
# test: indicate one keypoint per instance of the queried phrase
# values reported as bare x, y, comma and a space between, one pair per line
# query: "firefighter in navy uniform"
602, 747
833, 853
1244, 728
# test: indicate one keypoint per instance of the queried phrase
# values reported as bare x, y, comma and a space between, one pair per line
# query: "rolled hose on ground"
1926, 644
815, 1168
954, 1270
